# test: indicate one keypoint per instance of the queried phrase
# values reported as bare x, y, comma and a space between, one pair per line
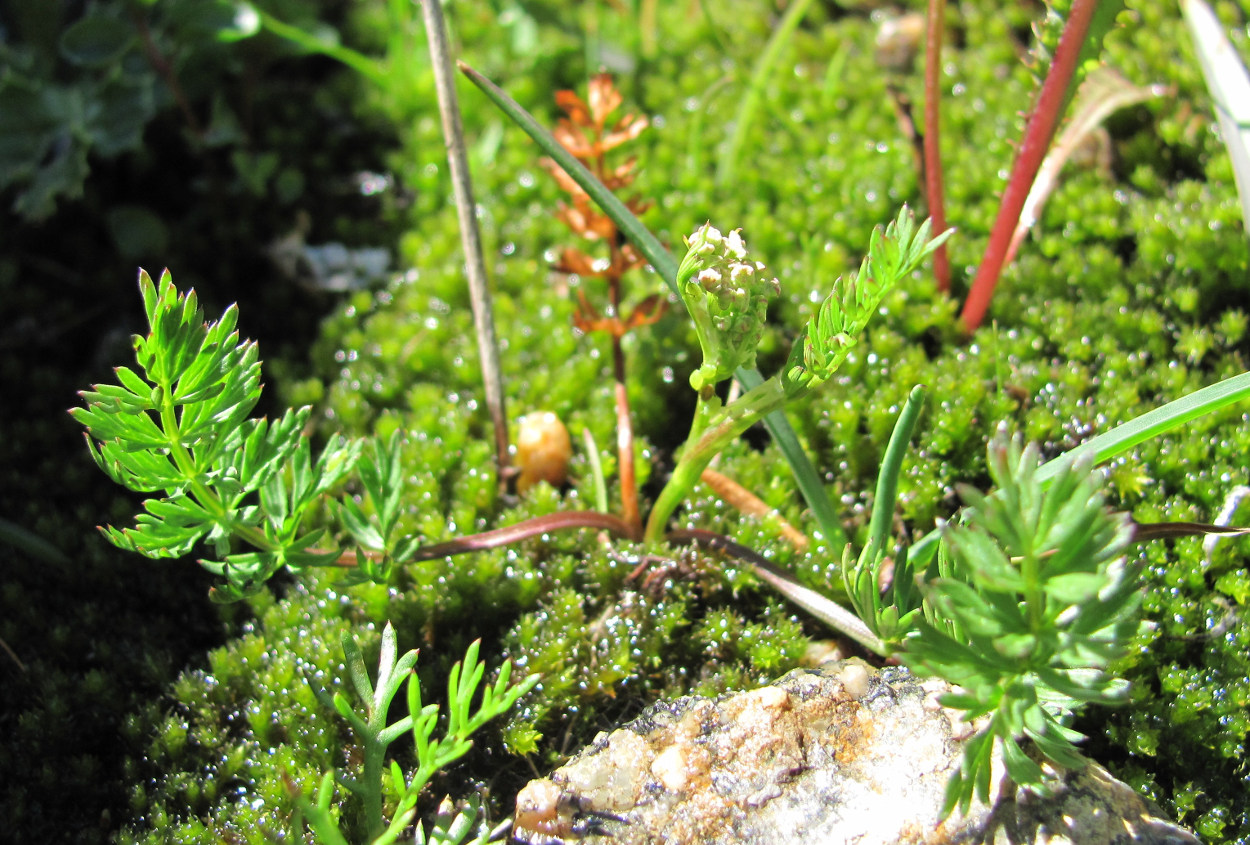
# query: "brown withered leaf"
647, 312
574, 107
604, 99
623, 173
564, 180
629, 259
626, 130
587, 318
586, 222
574, 219
573, 139
638, 205
573, 260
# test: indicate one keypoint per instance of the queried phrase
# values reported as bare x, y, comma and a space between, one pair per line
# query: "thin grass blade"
1229, 84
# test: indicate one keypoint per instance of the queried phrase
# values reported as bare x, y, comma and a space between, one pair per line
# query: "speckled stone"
843, 753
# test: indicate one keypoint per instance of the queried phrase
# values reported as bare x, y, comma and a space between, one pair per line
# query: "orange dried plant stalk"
746, 502
589, 133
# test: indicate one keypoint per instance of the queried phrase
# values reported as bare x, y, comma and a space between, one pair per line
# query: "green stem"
371, 776
891, 467
713, 428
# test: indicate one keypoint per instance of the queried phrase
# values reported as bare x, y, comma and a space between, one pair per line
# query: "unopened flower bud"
728, 298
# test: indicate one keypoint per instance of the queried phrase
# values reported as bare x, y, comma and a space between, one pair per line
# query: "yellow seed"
543, 449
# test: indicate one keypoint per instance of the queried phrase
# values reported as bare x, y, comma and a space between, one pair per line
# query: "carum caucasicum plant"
1024, 605
181, 427
1025, 600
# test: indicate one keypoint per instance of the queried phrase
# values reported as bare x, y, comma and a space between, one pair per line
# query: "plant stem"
535, 527
624, 417
891, 466
371, 775
826, 610
1051, 101
475, 263
625, 442
162, 66
932, 129
713, 427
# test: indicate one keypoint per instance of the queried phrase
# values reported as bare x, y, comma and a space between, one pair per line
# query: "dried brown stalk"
746, 502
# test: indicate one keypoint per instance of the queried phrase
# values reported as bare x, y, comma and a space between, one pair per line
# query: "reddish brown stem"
163, 67
524, 530
625, 444
932, 134
1038, 134
624, 418
748, 504
535, 527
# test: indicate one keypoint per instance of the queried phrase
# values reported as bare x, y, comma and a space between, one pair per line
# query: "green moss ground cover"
1133, 294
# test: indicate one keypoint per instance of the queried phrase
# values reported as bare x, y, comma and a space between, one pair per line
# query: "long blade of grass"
639, 235
662, 260
1229, 84
31, 543
599, 484
747, 107
1125, 436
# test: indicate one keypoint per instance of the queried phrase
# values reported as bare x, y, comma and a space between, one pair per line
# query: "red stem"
1038, 134
932, 147
535, 527
624, 419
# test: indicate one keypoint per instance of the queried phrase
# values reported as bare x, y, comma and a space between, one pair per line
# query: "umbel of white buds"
727, 295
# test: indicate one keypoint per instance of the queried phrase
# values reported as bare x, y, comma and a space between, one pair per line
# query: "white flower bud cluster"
727, 295
729, 276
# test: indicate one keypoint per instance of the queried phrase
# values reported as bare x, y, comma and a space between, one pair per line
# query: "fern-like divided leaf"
837, 326
1031, 602
180, 426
